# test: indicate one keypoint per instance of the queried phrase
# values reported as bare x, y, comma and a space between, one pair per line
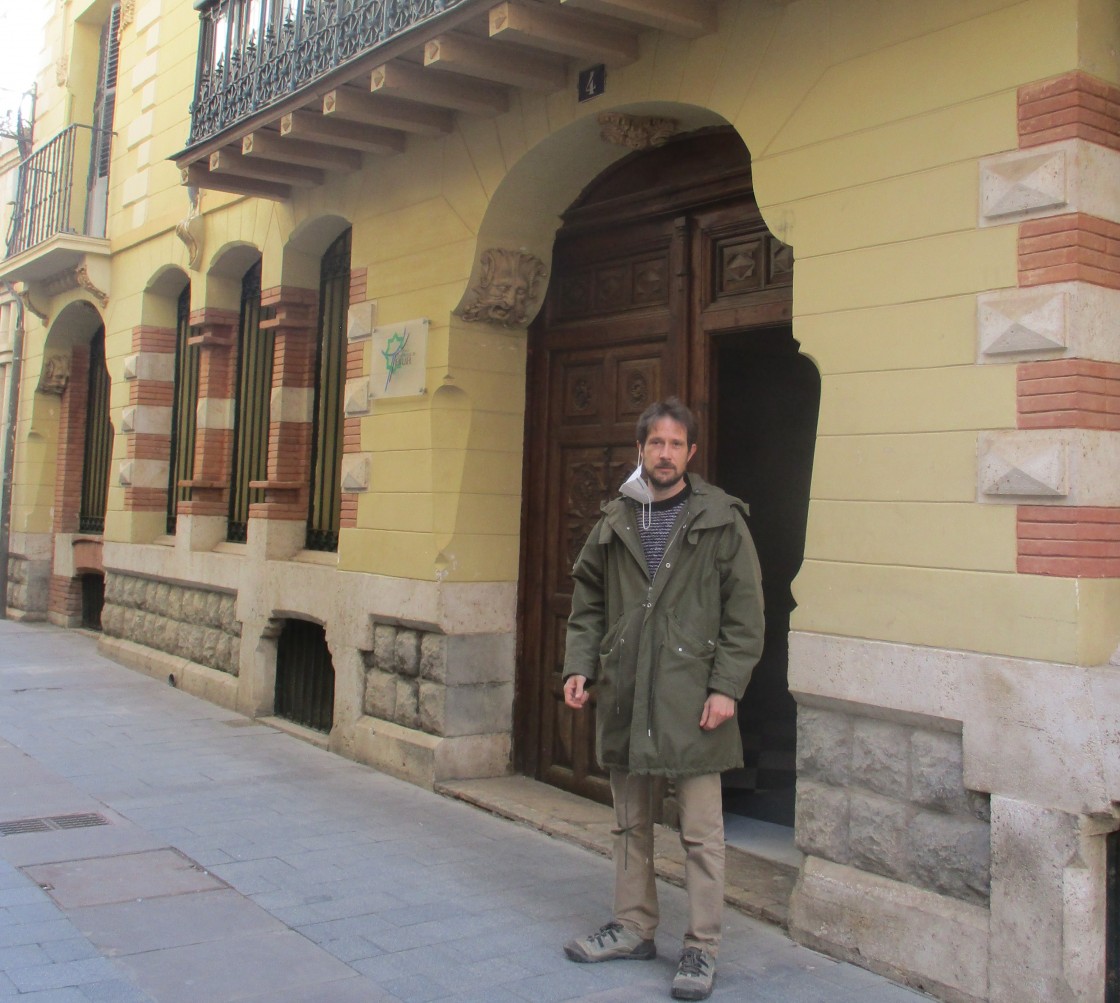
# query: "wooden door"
637, 266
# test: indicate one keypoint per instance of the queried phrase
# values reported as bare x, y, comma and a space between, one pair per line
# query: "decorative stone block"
215, 412
824, 745
1015, 184
1022, 321
407, 699
1018, 465
356, 397
937, 772
380, 695
822, 821
361, 320
159, 366
881, 757
293, 404
355, 472
146, 419
384, 646
878, 834
433, 657
143, 474
951, 855
406, 653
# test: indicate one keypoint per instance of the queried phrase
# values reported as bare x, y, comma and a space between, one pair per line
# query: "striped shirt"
661, 517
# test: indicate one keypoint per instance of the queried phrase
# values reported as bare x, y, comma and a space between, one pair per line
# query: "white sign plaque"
399, 359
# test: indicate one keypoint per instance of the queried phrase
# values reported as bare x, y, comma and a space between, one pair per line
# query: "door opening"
766, 396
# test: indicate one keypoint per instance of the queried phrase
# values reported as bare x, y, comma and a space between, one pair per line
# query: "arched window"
254, 386
183, 410
324, 517
98, 451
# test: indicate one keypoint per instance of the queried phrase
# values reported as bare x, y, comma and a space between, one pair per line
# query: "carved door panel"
602, 355
598, 396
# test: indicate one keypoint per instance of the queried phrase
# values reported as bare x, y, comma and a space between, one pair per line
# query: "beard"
664, 477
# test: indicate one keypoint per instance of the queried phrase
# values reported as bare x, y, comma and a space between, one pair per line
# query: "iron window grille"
325, 515
304, 676
183, 412
254, 387
98, 451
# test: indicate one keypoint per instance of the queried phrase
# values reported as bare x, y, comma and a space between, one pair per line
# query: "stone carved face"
55, 375
506, 289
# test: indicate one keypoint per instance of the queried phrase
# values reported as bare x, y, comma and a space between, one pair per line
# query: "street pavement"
169, 850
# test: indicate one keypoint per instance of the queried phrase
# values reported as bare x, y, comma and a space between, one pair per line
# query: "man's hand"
575, 696
717, 709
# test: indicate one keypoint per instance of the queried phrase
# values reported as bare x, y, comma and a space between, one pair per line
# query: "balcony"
59, 213
288, 92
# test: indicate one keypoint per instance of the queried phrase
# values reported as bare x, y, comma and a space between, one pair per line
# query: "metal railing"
47, 200
253, 53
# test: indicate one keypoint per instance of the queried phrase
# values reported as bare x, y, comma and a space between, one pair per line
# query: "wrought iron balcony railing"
254, 53
61, 189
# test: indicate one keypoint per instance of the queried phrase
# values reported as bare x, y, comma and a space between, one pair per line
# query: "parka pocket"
686, 663
685, 648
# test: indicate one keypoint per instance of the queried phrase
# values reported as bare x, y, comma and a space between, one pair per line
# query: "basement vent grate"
54, 823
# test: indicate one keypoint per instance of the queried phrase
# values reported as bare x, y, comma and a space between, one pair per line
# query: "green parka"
655, 650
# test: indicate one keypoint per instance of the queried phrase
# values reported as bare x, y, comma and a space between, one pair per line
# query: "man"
667, 625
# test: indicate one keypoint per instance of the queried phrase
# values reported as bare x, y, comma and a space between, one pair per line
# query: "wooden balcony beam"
339, 134
386, 112
197, 175
501, 64
231, 162
286, 150
688, 18
459, 93
555, 30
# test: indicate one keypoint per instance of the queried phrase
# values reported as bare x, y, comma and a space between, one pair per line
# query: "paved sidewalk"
173, 851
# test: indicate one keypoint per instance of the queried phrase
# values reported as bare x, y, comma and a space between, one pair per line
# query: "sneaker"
695, 975
612, 942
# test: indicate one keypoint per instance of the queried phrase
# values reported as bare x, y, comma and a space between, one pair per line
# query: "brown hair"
670, 407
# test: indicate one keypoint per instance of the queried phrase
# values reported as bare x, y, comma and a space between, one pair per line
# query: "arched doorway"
665, 281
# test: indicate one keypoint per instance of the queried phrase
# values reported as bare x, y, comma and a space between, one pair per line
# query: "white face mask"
636, 487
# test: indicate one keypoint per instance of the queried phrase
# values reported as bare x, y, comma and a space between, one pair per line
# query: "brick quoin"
160, 340
1074, 247
145, 500
1069, 393
349, 515
358, 278
294, 323
1073, 106
150, 339
1069, 542
65, 596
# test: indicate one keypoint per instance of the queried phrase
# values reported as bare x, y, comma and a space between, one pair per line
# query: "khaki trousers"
635, 893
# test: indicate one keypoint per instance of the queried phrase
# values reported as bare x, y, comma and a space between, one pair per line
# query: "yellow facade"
871, 125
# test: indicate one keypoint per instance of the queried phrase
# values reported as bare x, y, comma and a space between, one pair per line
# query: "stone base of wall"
198, 680
929, 941
421, 758
28, 588
192, 624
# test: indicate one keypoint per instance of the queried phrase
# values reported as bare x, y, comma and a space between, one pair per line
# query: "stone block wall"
443, 685
196, 624
28, 586
890, 799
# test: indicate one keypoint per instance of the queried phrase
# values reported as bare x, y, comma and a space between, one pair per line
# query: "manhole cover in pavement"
101, 880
